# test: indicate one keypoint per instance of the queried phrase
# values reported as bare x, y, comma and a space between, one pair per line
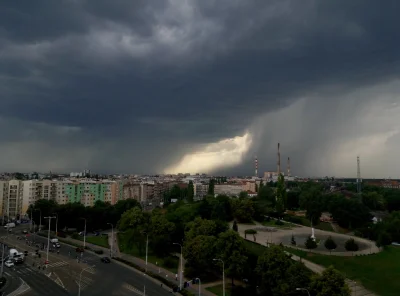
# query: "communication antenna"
256, 166
279, 161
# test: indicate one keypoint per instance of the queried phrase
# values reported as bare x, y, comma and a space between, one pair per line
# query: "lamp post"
303, 289
2, 256
112, 240
180, 281
199, 286
147, 247
48, 238
84, 234
56, 224
223, 275
80, 278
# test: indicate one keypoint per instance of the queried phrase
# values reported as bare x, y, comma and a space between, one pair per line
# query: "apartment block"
228, 189
131, 190
200, 190
34, 190
249, 186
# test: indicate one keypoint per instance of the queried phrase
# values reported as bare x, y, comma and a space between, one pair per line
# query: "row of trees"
71, 215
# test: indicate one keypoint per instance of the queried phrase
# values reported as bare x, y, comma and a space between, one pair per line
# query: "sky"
200, 86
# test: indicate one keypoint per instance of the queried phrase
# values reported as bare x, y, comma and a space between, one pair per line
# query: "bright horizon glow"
225, 153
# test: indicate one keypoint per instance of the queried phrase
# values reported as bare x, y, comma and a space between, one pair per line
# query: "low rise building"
228, 189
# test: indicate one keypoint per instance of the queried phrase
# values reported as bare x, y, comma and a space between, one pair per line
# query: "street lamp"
197, 279
303, 289
48, 237
56, 224
147, 247
2, 256
112, 240
180, 282
223, 275
84, 234
80, 278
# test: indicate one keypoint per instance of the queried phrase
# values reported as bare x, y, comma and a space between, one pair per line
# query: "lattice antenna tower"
358, 176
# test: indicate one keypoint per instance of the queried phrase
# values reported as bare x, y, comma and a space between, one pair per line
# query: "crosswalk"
24, 270
82, 280
57, 264
133, 289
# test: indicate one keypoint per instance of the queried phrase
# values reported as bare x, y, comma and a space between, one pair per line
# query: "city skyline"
189, 87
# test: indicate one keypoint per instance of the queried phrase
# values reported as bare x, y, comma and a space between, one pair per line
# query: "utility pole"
48, 238
112, 241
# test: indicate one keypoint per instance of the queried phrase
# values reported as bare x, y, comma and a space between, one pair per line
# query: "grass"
271, 223
322, 225
170, 263
254, 247
378, 272
218, 289
100, 240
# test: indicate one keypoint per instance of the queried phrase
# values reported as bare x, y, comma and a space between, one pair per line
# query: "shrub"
279, 222
310, 243
75, 235
351, 245
330, 244
293, 241
169, 262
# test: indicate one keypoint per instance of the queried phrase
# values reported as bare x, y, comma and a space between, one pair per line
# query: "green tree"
310, 243
132, 218
272, 267
384, 239
330, 244
243, 195
211, 186
175, 192
280, 195
198, 253
293, 241
235, 226
242, 209
351, 245
231, 249
190, 193
374, 201
330, 283
200, 226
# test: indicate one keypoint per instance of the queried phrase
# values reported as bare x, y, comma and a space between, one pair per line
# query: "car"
24, 231
79, 249
9, 263
105, 260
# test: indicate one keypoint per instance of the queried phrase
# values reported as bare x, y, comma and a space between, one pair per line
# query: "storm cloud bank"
154, 86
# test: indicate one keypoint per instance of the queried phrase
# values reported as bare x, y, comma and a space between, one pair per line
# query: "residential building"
13, 200
228, 189
249, 186
200, 190
131, 190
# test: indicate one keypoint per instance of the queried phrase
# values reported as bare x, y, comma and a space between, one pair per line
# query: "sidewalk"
142, 263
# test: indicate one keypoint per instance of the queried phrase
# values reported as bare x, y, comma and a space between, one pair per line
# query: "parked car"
105, 260
9, 263
79, 249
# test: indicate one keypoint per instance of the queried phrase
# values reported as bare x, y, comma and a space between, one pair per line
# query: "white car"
9, 263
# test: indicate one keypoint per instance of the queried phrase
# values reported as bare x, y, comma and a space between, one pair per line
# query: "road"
105, 279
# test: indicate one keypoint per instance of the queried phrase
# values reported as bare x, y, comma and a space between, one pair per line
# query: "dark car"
79, 250
105, 260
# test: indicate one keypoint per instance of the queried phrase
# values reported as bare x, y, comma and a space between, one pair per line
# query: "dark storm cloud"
146, 81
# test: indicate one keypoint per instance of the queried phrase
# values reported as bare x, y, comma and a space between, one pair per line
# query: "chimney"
279, 160
256, 166
288, 166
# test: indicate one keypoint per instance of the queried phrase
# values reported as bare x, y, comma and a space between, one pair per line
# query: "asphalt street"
104, 279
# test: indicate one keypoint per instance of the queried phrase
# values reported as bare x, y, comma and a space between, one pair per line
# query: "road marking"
57, 264
132, 289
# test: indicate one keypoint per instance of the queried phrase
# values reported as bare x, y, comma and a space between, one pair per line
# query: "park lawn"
218, 289
378, 272
100, 240
322, 225
254, 247
271, 223
170, 263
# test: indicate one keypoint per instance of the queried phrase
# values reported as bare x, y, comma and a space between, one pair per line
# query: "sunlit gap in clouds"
225, 153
